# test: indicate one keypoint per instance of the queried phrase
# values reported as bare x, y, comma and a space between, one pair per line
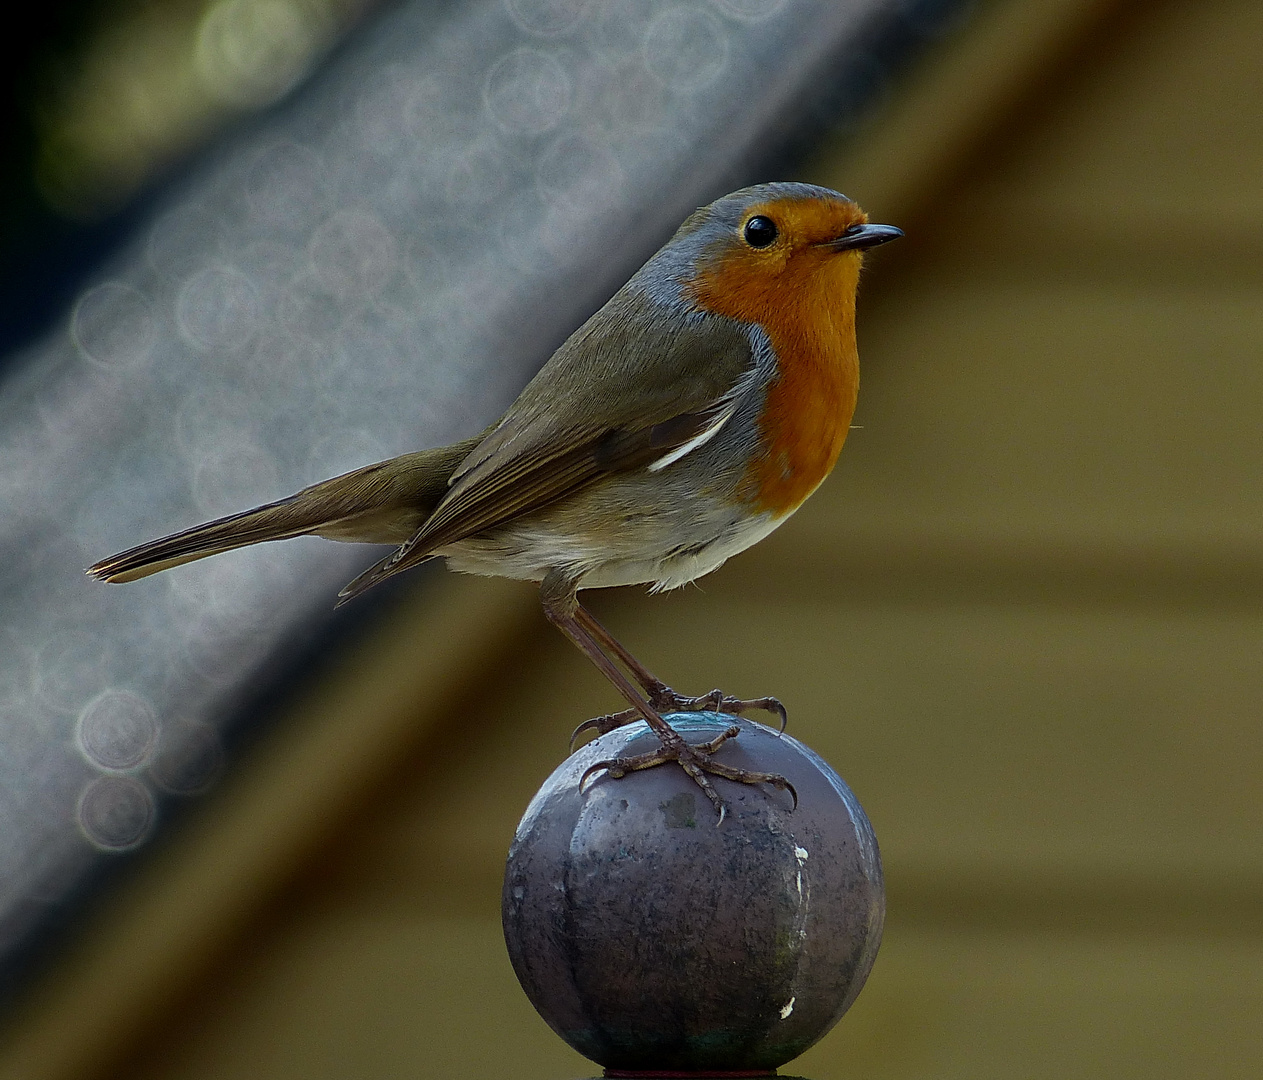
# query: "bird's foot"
694, 759
665, 700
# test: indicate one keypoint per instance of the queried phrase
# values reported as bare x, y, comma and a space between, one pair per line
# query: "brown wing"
619, 394
378, 504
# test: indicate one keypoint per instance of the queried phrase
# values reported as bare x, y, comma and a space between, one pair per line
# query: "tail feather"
275, 521
383, 503
375, 575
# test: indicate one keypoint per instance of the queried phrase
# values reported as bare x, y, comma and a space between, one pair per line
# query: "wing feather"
622, 393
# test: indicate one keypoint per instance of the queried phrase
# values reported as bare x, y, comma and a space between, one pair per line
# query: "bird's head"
773, 244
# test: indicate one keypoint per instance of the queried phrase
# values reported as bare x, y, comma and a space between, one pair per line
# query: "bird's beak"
859, 237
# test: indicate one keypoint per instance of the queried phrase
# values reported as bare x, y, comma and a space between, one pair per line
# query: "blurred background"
252, 243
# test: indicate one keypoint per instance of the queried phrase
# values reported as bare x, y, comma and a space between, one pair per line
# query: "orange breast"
808, 312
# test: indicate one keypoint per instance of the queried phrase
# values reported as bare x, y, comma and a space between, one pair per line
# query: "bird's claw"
697, 761
603, 725
666, 700
741, 706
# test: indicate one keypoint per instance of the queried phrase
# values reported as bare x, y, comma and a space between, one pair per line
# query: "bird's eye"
760, 232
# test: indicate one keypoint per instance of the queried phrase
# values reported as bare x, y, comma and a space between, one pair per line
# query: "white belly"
657, 554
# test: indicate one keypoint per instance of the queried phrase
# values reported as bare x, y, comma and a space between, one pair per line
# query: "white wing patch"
700, 439
760, 372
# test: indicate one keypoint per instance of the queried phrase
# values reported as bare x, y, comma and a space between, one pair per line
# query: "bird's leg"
659, 694
558, 593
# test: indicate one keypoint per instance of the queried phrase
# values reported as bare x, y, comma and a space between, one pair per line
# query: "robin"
683, 422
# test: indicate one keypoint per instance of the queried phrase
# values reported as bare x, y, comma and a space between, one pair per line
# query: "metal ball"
651, 937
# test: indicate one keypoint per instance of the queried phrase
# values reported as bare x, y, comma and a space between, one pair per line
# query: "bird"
684, 421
